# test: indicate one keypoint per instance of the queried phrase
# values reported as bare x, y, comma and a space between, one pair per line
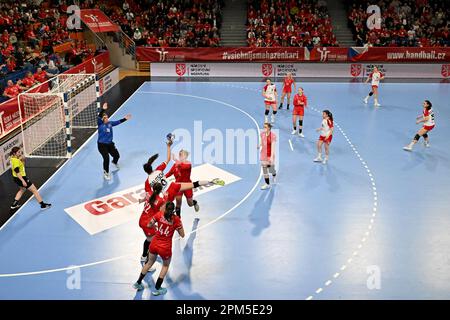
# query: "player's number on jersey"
374, 21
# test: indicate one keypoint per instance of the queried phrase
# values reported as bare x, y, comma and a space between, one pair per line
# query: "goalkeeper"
105, 142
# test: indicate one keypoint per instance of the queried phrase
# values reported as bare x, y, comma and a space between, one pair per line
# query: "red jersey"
300, 100
41, 76
288, 82
165, 230
28, 81
181, 171
13, 90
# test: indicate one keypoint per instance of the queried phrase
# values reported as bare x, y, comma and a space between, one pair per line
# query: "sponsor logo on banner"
323, 54
355, 69
368, 68
199, 69
267, 69
283, 69
445, 70
162, 54
180, 69
104, 213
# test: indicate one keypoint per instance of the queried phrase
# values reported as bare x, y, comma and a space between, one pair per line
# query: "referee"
105, 142
20, 178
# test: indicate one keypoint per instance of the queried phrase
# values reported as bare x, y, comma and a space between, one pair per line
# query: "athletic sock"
178, 212
15, 203
288, 105
267, 180
145, 250
300, 130
159, 283
141, 277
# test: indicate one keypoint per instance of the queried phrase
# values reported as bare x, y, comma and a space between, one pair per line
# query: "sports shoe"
138, 286
294, 131
274, 179
116, 165
366, 101
159, 292
377, 104
325, 161
217, 181
16, 206
301, 135
144, 259
407, 148
273, 119
106, 175
266, 119
196, 207
265, 186
426, 144
318, 159
45, 205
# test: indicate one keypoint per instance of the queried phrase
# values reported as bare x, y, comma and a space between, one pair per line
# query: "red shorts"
270, 103
374, 86
298, 111
428, 128
143, 222
173, 190
164, 253
324, 139
189, 194
287, 90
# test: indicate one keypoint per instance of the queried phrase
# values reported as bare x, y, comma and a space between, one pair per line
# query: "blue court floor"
371, 224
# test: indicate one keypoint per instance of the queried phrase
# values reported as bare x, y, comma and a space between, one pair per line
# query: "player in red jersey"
427, 118
300, 103
376, 77
270, 100
267, 155
326, 136
287, 89
181, 170
165, 223
157, 184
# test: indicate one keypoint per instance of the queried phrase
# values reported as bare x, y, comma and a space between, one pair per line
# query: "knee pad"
266, 112
416, 137
370, 93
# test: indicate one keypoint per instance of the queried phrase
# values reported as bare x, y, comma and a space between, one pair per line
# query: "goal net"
51, 112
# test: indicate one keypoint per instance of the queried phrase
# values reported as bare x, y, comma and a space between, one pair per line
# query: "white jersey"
429, 113
269, 91
327, 124
158, 176
376, 77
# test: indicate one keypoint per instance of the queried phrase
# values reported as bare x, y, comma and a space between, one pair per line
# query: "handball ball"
170, 136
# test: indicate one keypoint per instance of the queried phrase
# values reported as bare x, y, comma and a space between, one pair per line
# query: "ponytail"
148, 166
429, 105
168, 213
14, 151
157, 188
329, 114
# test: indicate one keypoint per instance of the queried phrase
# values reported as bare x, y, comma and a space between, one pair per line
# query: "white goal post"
50, 111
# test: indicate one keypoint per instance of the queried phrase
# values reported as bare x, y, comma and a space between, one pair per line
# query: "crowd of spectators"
168, 23
29, 30
411, 23
292, 23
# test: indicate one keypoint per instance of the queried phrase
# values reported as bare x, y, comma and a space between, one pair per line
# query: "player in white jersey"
376, 76
427, 118
270, 100
326, 135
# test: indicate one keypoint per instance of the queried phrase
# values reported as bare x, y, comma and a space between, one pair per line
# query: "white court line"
187, 234
290, 144
68, 160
